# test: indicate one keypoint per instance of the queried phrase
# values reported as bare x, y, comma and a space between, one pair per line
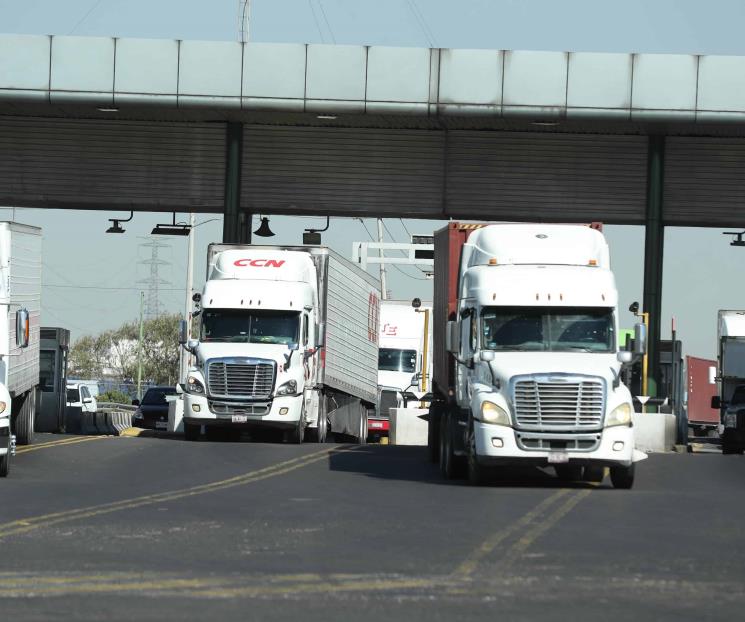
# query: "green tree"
113, 353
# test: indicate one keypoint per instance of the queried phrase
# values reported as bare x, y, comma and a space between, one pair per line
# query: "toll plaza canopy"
108, 123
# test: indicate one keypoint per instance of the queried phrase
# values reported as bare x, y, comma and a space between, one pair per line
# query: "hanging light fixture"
264, 231
116, 226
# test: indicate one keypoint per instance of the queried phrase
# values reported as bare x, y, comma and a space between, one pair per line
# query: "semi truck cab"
536, 362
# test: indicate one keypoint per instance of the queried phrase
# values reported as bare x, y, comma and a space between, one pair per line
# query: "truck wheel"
191, 431
450, 465
5, 460
568, 472
319, 434
361, 438
295, 435
433, 433
622, 477
477, 473
593, 473
24, 428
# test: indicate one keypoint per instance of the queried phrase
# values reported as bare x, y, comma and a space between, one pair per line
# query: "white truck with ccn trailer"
20, 300
527, 366
288, 340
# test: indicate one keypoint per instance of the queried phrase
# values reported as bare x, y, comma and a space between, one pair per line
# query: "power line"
420, 21
393, 265
129, 289
315, 19
85, 17
326, 19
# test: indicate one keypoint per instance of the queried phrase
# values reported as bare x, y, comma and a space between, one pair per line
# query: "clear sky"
92, 279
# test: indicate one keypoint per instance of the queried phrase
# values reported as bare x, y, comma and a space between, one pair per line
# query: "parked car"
79, 395
152, 412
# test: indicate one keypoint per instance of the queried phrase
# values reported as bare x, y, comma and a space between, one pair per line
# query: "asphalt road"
161, 529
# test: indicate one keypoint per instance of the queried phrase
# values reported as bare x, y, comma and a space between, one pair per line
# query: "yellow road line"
468, 566
70, 441
36, 522
210, 587
524, 542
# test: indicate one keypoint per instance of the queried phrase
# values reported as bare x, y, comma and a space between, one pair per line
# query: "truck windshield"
553, 329
392, 359
244, 326
738, 397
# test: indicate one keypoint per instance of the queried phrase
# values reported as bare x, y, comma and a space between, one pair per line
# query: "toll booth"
50, 410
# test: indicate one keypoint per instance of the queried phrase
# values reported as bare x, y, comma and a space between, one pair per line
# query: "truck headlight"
491, 413
288, 388
194, 385
621, 415
2, 406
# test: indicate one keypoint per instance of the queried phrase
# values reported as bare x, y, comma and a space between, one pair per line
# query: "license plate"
161, 425
376, 424
239, 418
558, 457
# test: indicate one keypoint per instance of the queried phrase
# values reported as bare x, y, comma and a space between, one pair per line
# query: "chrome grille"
240, 379
548, 404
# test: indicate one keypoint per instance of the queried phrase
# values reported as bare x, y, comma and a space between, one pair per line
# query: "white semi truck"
288, 340
404, 360
20, 303
527, 366
731, 378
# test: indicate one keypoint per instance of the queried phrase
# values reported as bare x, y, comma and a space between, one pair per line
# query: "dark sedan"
152, 412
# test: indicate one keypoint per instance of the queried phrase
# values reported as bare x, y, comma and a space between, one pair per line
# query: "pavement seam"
35, 522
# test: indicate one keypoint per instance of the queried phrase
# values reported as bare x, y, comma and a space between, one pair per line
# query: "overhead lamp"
313, 236
116, 226
264, 231
171, 229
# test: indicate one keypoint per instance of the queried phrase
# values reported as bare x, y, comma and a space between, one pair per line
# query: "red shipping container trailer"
700, 391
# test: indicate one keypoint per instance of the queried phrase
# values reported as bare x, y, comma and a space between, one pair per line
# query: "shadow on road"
393, 462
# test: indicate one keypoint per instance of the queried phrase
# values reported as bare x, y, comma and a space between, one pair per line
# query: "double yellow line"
65, 441
36, 522
519, 535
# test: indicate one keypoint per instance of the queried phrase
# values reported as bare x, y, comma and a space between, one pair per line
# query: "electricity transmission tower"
153, 306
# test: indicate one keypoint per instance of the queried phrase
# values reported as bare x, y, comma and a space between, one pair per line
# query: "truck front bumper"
500, 445
279, 413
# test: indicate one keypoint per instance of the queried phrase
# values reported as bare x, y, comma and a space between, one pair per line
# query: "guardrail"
109, 418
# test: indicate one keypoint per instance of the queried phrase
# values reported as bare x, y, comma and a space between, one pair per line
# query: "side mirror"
135, 402
191, 345
640, 339
716, 402
452, 337
293, 346
183, 332
624, 357
487, 356
88, 400
23, 328
320, 335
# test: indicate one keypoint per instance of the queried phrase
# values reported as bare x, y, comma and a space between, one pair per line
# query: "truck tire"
361, 438
191, 431
5, 460
319, 433
622, 477
295, 435
433, 432
24, 427
451, 466
477, 473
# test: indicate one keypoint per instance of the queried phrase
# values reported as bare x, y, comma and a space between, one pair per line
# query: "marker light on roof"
492, 262
593, 262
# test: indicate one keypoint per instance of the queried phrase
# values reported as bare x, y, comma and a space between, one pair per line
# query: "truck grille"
571, 404
240, 379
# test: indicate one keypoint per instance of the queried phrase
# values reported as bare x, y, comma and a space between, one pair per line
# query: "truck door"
468, 343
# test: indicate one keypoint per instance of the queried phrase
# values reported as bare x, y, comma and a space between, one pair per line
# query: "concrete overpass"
114, 124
